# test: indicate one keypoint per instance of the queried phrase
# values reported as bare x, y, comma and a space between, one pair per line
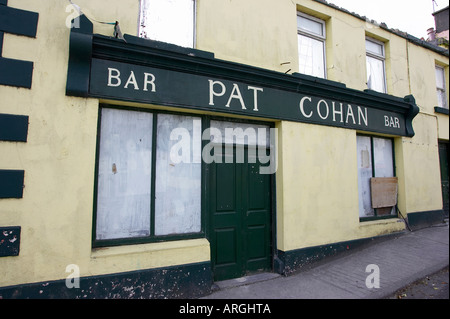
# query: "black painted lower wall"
294, 260
420, 220
291, 261
177, 282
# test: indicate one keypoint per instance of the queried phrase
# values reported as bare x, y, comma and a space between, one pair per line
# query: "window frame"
442, 89
322, 38
372, 160
194, 25
380, 57
152, 238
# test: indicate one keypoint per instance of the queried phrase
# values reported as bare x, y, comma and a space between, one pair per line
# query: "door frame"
206, 190
443, 147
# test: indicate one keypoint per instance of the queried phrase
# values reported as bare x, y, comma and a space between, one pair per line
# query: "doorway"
239, 213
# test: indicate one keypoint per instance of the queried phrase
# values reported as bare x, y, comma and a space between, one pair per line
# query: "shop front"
187, 145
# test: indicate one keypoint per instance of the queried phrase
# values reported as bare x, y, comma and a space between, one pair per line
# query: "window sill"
104, 252
441, 110
380, 221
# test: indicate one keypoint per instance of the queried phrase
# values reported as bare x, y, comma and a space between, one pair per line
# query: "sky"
411, 16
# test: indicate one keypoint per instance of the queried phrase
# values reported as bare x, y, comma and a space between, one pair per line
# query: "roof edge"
384, 26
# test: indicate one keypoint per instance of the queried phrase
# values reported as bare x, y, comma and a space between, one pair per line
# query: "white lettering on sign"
302, 101
322, 109
391, 121
218, 89
255, 96
323, 117
115, 80
336, 112
236, 96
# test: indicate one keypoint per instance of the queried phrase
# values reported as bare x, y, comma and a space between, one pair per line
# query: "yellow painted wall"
317, 192
258, 33
421, 165
56, 210
318, 203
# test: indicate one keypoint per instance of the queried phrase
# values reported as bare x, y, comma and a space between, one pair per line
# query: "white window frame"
141, 29
315, 36
441, 89
380, 57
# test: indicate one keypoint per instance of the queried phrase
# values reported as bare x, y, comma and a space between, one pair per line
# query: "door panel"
256, 206
226, 246
226, 179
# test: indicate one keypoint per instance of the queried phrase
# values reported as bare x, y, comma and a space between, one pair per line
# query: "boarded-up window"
145, 156
375, 159
178, 176
124, 174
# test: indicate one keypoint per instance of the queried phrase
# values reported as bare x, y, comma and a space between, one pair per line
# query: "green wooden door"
240, 217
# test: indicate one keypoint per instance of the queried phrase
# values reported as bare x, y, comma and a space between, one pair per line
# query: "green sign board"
137, 83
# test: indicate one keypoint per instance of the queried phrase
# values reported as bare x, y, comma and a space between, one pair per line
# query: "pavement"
376, 271
434, 286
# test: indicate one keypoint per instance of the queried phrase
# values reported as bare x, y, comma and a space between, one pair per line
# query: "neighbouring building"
149, 148
439, 35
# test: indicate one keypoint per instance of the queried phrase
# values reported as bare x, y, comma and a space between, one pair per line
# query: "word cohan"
338, 111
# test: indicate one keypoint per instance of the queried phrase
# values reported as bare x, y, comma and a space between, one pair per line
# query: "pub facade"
150, 148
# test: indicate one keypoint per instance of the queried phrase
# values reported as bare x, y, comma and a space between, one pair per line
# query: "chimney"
431, 34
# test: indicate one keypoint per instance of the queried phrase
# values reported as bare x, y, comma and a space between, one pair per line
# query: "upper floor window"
311, 45
440, 87
171, 21
375, 57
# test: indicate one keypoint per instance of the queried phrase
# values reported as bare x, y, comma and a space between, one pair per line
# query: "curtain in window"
375, 74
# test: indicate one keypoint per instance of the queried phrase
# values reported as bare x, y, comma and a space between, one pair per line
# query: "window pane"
169, 21
178, 175
310, 25
364, 159
440, 82
374, 47
375, 74
442, 98
124, 174
383, 157
384, 164
311, 56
